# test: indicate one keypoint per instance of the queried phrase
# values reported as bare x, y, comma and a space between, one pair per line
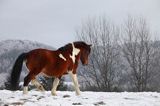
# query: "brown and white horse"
52, 64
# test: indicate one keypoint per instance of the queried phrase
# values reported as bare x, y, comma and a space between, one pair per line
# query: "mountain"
9, 51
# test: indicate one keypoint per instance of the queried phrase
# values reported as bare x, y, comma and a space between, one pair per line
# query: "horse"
50, 63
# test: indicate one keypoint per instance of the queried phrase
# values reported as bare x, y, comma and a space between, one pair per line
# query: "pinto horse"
51, 64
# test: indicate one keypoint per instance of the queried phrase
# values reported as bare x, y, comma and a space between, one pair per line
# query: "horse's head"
85, 50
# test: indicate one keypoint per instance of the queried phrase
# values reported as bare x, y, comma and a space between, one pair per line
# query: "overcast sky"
53, 22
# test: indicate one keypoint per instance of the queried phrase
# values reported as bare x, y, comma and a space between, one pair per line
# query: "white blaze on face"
75, 52
61, 56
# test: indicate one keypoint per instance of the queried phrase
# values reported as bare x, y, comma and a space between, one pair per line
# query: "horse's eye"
89, 51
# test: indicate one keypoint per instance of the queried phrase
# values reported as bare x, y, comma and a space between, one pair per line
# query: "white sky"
53, 22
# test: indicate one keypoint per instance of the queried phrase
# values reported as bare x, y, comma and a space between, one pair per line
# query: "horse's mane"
69, 45
80, 44
65, 47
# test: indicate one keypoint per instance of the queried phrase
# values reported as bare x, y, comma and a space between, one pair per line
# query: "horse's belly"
54, 72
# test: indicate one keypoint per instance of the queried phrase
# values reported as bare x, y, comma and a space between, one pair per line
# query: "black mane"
66, 47
76, 43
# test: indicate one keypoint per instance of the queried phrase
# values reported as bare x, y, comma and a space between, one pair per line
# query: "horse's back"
38, 58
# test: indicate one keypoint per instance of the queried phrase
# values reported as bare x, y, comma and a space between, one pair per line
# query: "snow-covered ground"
65, 98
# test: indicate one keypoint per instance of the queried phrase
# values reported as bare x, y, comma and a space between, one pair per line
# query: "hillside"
9, 51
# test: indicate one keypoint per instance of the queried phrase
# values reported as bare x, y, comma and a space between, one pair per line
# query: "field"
67, 98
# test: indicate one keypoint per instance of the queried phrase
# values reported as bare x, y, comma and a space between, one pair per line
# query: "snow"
3, 79
67, 98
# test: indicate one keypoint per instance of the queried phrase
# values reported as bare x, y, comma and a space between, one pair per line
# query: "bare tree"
101, 73
155, 64
138, 51
132, 66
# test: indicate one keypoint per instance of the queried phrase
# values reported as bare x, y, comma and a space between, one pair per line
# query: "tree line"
123, 58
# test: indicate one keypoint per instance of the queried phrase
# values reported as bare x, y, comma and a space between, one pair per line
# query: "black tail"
16, 71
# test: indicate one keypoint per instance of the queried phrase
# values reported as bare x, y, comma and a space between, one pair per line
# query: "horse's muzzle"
85, 63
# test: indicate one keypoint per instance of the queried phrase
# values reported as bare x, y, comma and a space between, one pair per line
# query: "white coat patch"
61, 56
74, 53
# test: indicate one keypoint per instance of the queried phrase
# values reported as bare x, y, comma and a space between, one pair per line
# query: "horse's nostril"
86, 63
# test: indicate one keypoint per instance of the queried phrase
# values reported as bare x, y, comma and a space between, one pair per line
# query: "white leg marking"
74, 53
25, 89
55, 84
37, 84
75, 81
61, 56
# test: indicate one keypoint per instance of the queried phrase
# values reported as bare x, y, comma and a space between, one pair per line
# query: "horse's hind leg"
37, 84
55, 84
27, 79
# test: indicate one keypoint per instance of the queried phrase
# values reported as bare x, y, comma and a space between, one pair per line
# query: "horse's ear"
90, 45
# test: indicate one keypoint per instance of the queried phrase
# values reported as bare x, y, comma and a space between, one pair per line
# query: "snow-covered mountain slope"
9, 51
65, 98
26, 45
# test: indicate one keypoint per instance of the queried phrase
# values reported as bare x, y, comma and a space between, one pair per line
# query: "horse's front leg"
75, 81
55, 84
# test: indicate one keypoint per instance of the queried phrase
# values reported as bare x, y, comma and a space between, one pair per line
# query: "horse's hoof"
24, 92
41, 88
78, 93
53, 93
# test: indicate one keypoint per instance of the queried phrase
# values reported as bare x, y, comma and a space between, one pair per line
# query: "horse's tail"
16, 71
